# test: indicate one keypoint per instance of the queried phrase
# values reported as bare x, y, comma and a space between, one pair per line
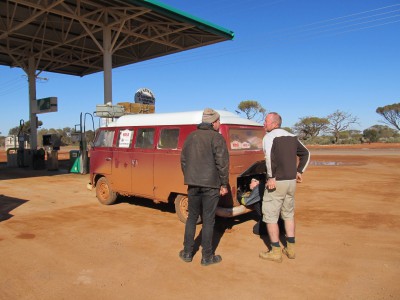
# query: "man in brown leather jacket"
205, 166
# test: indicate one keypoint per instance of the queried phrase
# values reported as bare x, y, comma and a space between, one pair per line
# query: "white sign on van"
145, 96
125, 138
235, 145
245, 145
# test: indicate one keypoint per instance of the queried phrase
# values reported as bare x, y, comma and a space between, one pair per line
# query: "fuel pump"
22, 138
52, 143
81, 164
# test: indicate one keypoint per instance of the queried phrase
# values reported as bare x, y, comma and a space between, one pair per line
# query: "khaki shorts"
279, 201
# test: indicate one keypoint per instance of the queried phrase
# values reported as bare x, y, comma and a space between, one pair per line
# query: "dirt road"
58, 242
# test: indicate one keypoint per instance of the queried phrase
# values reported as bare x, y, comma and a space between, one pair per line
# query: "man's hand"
299, 177
223, 190
271, 183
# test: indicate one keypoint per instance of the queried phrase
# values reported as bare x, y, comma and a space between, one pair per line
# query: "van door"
102, 154
168, 175
142, 162
122, 165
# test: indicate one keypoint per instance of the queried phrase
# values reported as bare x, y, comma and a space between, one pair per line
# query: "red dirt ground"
58, 242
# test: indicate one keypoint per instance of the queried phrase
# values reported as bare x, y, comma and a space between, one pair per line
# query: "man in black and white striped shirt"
286, 159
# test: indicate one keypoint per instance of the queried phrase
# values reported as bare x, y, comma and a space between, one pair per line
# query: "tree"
380, 132
23, 128
371, 134
89, 135
309, 127
65, 134
340, 121
253, 110
391, 113
288, 129
385, 131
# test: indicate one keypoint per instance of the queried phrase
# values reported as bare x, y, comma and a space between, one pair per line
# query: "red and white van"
139, 155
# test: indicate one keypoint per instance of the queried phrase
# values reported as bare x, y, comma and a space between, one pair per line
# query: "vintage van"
139, 155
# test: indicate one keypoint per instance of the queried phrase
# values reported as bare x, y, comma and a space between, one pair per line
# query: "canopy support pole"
107, 64
32, 102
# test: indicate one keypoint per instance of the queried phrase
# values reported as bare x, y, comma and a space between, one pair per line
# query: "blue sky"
298, 58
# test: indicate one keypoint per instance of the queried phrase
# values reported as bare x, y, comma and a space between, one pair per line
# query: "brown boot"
289, 250
275, 254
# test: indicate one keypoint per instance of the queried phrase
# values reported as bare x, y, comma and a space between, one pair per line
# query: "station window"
145, 138
125, 137
105, 138
168, 139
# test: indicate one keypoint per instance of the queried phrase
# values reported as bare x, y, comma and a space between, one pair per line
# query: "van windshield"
104, 138
246, 138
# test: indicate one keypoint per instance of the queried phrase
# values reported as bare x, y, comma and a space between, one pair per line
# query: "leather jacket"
205, 158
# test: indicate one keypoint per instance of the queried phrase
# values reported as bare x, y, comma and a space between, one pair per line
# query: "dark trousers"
201, 201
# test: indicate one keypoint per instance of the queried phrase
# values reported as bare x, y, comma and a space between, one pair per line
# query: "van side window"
125, 137
105, 138
246, 139
168, 139
145, 138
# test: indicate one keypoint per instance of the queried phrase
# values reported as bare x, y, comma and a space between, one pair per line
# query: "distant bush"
319, 140
390, 140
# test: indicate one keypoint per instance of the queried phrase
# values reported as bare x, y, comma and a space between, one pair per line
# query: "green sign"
48, 104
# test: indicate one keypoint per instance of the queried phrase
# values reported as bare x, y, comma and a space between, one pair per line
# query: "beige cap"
210, 116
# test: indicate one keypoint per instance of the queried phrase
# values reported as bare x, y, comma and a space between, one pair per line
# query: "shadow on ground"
25, 172
7, 204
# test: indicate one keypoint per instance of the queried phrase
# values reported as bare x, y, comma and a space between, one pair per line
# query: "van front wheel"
104, 193
182, 208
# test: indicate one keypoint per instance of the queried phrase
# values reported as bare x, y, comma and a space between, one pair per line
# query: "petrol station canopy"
81, 37
69, 37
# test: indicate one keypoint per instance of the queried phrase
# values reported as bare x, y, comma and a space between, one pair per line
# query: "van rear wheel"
182, 208
104, 193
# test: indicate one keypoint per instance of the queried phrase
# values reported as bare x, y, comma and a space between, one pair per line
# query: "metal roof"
67, 36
